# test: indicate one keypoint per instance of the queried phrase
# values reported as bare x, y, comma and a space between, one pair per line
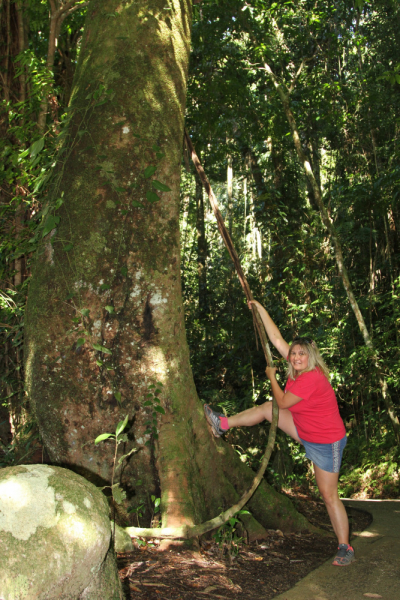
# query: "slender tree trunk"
6, 75
58, 12
229, 187
21, 42
105, 325
201, 248
284, 96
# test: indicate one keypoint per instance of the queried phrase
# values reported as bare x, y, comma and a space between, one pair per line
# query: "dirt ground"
259, 570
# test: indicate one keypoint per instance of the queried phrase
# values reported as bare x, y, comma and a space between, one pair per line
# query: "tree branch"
296, 76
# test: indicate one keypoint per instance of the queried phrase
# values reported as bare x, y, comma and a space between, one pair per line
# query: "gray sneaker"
214, 421
344, 556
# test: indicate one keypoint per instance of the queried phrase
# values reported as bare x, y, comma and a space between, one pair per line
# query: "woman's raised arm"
272, 331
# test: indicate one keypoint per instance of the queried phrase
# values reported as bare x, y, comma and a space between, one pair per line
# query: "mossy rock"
55, 537
122, 540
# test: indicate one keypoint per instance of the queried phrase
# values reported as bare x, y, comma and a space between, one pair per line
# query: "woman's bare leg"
255, 415
328, 487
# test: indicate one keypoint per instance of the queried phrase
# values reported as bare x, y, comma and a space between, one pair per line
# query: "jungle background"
338, 66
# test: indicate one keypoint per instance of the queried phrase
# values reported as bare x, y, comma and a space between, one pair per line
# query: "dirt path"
263, 569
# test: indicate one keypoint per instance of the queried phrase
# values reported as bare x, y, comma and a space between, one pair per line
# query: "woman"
309, 413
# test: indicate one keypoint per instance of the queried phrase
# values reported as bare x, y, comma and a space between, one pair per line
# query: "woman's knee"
267, 410
329, 497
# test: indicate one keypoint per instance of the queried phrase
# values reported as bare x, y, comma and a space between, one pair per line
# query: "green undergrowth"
371, 468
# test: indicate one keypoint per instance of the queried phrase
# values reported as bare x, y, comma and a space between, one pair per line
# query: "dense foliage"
339, 64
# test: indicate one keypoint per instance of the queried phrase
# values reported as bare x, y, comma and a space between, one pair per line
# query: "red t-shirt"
316, 416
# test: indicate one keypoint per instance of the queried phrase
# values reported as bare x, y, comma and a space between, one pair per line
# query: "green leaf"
118, 493
152, 197
160, 186
101, 349
117, 396
68, 247
71, 295
110, 309
137, 204
80, 342
50, 224
126, 456
104, 286
159, 409
103, 436
149, 171
119, 189
124, 271
147, 403
99, 363
59, 202
85, 312
122, 424
37, 147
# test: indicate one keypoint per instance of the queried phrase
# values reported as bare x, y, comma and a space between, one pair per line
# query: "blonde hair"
315, 360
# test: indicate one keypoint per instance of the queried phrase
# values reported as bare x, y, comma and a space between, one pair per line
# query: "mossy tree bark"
105, 317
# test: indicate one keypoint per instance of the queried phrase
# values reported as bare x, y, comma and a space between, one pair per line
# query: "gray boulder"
122, 539
55, 537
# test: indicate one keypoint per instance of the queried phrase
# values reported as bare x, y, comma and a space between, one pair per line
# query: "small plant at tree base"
226, 536
155, 518
138, 511
117, 492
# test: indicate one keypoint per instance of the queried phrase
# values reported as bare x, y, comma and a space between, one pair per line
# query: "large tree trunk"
105, 316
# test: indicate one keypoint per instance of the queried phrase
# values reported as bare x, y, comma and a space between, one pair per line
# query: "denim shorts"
327, 457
